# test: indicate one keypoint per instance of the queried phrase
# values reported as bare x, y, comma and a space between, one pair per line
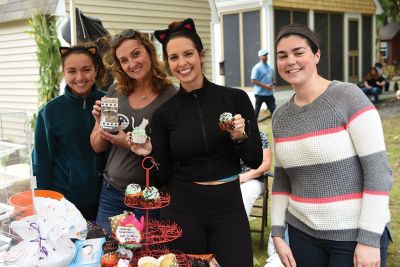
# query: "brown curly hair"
125, 84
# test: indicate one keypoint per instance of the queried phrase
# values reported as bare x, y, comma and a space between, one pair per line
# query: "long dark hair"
185, 28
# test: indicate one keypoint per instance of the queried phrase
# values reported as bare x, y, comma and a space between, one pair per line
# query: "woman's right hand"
284, 252
96, 111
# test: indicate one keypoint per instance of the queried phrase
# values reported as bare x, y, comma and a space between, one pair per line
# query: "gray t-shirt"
123, 166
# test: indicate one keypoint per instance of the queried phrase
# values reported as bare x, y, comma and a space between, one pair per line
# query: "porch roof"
11, 10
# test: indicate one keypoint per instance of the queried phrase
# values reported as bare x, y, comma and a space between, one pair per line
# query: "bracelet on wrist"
239, 139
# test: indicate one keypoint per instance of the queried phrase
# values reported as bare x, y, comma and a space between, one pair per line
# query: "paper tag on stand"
128, 234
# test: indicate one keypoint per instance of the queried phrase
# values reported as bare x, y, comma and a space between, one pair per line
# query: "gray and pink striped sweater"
332, 178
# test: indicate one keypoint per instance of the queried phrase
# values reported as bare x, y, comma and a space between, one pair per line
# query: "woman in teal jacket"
63, 159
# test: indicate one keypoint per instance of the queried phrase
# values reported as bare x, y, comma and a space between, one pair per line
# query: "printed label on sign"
128, 234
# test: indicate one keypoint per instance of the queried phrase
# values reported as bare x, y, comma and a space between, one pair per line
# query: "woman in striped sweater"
332, 178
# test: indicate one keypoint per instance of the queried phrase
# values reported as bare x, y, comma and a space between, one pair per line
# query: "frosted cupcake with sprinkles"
226, 121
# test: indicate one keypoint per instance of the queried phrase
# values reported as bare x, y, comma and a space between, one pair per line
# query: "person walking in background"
251, 180
141, 87
332, 177
262, 76
62, 158
199, 162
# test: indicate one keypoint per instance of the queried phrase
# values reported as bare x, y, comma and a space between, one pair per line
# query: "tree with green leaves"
44, 30
391, 11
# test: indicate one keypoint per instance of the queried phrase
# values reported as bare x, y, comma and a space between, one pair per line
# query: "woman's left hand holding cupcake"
239, 129
139, 149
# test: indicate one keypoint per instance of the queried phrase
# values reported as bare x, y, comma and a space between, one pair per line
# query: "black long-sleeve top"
188, 143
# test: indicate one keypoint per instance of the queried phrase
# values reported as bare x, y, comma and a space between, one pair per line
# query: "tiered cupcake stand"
156, 233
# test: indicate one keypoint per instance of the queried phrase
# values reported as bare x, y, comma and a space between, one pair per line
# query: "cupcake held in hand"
226, 121
138, 135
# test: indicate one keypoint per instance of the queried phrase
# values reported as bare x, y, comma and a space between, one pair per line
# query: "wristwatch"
240, 139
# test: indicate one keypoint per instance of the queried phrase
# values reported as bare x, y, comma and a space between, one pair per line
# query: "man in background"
262, 76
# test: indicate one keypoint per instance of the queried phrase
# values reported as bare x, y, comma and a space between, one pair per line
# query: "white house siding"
19, 74
150, 15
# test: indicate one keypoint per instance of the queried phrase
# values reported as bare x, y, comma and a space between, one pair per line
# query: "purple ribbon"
39, 239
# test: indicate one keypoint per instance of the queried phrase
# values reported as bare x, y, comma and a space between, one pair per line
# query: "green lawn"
392, 136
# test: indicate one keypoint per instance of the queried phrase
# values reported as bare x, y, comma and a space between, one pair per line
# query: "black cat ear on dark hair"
161, 35
187, 24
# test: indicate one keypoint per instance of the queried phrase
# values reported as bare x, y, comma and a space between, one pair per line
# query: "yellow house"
346, 29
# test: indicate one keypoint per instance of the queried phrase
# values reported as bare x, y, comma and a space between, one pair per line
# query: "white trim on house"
230, 6
347, 18
267, 28
213, 35
379, 9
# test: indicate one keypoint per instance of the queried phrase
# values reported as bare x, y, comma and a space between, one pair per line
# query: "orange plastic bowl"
23, 204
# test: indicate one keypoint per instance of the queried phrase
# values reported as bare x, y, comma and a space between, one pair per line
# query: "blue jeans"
112, 203
374, 91
269, 101
310, 251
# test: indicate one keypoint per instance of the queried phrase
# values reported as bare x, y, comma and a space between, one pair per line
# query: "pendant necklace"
144, 97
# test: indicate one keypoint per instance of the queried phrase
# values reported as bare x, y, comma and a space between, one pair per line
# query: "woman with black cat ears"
198, 161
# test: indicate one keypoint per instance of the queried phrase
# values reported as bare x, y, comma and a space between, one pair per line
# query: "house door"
353, 52
242, 40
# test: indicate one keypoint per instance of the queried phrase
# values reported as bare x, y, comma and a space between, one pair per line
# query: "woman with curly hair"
141, 86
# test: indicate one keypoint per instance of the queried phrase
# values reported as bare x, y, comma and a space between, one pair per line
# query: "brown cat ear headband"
186, 25
64, 50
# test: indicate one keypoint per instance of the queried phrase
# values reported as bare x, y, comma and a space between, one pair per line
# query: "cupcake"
168, 260
150, 197
123, 263
138, 136
148, 262
125, 254
133, 192
109, 260
226, 121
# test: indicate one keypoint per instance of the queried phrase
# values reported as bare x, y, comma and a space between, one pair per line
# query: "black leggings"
213, 220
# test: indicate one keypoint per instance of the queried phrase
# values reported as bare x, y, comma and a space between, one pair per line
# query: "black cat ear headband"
187, 25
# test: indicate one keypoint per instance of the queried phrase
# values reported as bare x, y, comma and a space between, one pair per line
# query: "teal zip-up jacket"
63, 159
